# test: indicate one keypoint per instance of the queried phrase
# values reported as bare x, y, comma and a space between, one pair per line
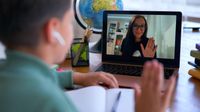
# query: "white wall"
163, 28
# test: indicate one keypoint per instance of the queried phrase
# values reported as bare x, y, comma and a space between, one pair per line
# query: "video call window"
151, 36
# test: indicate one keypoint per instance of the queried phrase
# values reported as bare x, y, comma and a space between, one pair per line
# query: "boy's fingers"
145, 74
105, 80
151, 73
138, 91
167, 96
159, 78
113, 79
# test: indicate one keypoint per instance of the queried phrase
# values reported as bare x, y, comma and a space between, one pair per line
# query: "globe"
90, 12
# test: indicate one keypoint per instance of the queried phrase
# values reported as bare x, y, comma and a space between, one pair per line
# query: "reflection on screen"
151, 36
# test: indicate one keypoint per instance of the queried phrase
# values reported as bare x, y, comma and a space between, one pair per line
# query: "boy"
38, 34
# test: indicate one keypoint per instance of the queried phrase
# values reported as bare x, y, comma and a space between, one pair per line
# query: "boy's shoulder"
33, 94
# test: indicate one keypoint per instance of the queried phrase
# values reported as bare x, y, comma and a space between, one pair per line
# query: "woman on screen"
136, 42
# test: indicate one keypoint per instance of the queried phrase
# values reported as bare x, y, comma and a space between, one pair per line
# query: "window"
189, 8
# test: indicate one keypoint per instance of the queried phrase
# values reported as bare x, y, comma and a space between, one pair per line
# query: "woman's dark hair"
21, 21
130, 34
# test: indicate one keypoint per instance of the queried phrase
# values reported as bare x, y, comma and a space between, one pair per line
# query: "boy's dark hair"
21, 21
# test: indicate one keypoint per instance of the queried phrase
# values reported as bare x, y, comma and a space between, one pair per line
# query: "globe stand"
96, 48
82, 5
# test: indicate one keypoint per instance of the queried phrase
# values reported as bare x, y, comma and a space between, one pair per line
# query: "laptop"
130, 38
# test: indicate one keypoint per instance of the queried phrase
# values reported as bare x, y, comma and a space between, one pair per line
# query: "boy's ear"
51, 26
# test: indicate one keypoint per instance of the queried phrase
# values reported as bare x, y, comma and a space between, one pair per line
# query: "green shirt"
29, 85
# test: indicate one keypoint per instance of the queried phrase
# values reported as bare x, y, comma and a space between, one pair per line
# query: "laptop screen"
145, 35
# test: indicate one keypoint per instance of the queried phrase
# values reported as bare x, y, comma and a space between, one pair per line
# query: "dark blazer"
129, 46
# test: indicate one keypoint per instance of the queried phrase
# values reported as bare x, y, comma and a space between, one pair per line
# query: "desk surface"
186, 97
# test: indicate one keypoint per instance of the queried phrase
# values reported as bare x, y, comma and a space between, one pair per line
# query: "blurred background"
189, 8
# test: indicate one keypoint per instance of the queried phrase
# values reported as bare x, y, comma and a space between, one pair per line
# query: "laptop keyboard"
128, 70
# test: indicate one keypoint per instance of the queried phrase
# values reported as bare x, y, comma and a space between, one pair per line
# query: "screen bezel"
172, 63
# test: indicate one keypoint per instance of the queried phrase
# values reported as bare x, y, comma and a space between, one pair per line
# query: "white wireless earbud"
59, 38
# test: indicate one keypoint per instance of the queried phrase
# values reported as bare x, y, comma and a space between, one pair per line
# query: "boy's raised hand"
150, 98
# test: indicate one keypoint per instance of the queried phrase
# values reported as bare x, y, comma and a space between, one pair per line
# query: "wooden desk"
186, 97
